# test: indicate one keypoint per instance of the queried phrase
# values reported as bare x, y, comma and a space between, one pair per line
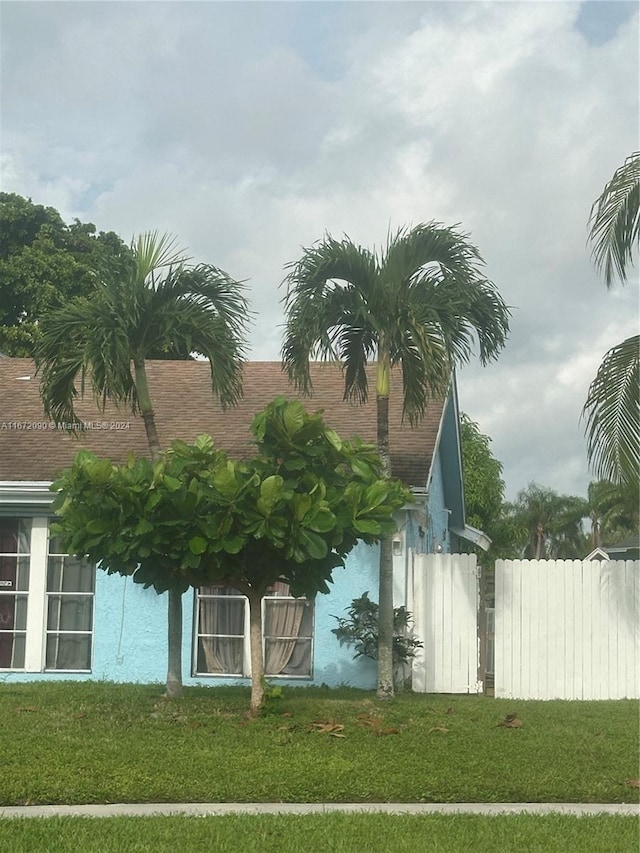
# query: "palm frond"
612, 412
154, 252
161, 306
329, 261
329, 313
432, 248
615, 222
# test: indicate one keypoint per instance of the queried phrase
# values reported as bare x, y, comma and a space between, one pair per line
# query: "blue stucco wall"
437, 515
130, 633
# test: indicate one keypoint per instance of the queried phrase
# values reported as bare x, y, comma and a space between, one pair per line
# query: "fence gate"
445, 618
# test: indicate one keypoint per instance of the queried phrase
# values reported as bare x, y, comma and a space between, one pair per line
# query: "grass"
331, 833
102, 742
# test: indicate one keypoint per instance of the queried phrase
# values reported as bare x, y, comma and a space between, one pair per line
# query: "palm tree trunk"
385, 590
257, 657
539, 540
144, 402
174, 605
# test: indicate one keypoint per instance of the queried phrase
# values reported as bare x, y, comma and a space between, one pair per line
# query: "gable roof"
185, 408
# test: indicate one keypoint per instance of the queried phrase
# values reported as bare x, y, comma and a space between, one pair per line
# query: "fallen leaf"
27, 708
632, 783
511, 722
442, 729
450, 711
327, 727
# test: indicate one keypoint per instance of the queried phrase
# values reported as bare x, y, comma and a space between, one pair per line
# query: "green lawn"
101, 742
335, 833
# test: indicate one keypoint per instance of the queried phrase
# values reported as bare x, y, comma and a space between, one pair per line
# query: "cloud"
250, 129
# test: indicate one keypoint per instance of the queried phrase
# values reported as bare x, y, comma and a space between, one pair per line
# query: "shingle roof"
185, 408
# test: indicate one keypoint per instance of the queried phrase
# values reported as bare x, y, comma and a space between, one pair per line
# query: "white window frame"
37, 602
246, 647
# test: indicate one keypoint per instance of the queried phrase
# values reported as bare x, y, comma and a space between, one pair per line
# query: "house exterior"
62, 619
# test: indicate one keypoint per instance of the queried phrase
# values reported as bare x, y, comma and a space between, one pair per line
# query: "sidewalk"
204, 809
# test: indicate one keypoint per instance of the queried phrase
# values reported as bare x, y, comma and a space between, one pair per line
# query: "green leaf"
197, 545
98, 525
270, 492
293, 417
172, 483
367, 526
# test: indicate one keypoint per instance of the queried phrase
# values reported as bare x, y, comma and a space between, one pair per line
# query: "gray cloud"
248, 129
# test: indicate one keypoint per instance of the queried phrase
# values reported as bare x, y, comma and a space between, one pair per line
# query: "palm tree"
164, 304
551, 522
612, 408
420, 304
614, 510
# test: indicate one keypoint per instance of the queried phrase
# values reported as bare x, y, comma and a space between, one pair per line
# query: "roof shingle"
30, 450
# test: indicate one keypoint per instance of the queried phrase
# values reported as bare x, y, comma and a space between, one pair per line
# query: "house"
62, 619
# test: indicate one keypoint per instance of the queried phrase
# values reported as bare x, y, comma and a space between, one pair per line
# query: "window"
69, 611
15, 546
222, 635
46, 601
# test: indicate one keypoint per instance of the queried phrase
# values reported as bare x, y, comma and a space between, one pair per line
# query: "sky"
251, 129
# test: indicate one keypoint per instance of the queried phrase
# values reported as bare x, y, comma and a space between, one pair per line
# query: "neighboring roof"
185, 408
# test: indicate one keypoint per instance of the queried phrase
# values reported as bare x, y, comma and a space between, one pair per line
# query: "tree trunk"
174, 669
539, 541
144, 403
174, 607
385, 591
257, 657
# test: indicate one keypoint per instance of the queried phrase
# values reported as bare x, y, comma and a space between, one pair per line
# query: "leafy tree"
485, 506
612, 408
420, 304
102, 341
195, 517
43, 264
551, 523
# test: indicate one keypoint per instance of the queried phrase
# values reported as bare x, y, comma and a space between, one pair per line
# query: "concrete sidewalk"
204, 809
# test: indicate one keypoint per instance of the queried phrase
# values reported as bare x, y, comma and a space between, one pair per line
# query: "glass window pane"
288, 657
13, 612
69, 574
12, 651
70, 613
222, 655
14, 573
219, 590
15, 535
68, 651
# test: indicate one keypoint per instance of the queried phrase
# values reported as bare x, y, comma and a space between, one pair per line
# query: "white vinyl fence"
567, 629
445, 612
561, 629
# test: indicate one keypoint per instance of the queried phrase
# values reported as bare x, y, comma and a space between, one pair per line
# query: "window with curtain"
15, 565
70, 592
222, 626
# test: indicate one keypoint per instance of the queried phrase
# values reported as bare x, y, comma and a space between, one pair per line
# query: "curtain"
221, 629
282, 630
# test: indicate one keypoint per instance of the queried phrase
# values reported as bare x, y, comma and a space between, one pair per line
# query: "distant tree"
43, 264
612, 408
196, 518
421, 304
614, 510
485, 506
550, 523
104, 340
